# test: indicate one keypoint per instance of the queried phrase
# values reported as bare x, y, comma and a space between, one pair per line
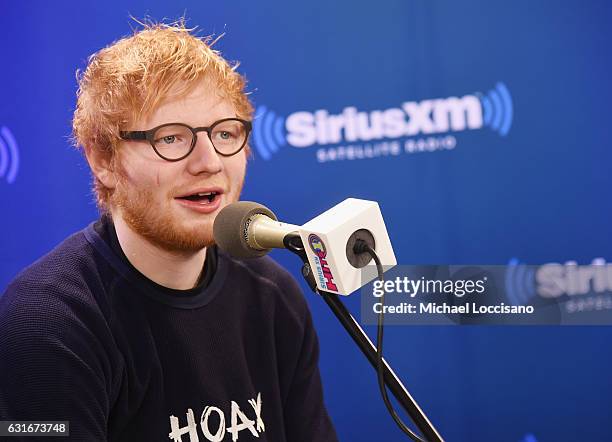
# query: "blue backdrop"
481, 127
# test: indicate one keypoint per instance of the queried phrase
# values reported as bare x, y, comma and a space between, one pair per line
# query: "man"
138, 328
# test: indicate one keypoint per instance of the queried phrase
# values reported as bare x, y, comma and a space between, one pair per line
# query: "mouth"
202, 200
201, 197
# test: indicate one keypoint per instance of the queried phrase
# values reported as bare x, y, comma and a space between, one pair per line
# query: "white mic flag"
328, 240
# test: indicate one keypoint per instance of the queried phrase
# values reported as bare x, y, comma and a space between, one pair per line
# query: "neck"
175, 270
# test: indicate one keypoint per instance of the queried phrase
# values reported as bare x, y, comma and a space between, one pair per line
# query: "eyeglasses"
175, 141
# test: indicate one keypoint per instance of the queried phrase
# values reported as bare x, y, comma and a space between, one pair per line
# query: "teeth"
210, 196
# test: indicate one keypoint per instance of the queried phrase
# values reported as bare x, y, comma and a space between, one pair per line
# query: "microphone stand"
293, 243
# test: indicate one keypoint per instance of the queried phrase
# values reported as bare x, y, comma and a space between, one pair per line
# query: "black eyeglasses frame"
147, 135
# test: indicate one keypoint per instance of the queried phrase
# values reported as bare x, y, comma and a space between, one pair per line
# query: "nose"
204, 157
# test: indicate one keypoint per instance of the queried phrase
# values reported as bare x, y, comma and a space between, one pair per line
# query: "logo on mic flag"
323, 270
316, 244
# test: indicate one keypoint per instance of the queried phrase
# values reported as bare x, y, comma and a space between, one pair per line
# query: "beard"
160, 225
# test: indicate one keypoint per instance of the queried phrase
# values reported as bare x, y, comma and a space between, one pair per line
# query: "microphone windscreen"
230, 229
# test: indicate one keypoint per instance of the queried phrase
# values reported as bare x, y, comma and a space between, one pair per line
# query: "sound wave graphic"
268, 132
497, 109
520, 282
9, 155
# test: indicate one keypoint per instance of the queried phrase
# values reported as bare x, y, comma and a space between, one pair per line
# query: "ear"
102, 166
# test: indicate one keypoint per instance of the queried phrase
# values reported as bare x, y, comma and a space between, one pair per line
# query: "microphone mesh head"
231, 225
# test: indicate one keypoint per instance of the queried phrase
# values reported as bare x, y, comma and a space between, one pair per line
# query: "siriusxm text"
554, 280
412, 118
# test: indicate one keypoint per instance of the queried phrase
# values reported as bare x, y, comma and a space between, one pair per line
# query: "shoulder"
54, 315
60, 287
70, 265
56, 348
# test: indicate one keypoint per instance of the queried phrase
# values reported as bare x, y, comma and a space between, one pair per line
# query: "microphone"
246, 229
249, 230
332, 264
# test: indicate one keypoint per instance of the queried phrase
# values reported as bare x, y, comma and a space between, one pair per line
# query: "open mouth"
202, 198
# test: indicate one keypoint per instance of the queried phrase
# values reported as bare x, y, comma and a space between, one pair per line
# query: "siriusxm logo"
554, 280
409, 119
268, 132
9, 155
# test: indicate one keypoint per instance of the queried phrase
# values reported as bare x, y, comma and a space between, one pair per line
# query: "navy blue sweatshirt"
84, 337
